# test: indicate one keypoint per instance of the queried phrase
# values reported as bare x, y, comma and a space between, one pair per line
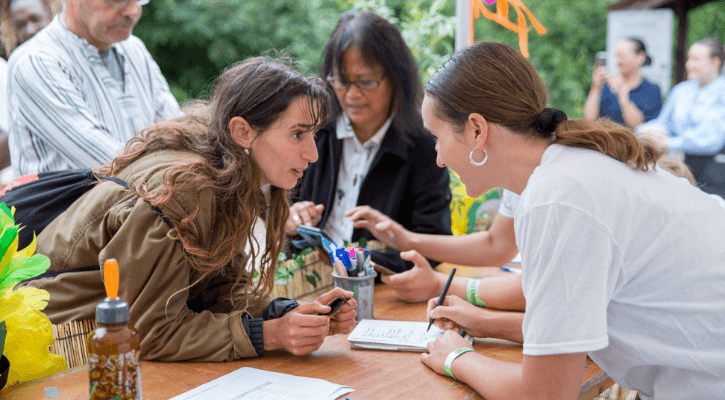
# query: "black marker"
443, 294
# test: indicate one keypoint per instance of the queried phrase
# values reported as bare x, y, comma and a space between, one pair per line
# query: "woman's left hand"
344, 321
440, 348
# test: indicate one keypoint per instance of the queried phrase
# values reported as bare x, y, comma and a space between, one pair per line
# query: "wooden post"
681, 9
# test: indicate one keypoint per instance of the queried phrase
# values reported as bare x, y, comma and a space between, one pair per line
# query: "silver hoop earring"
474, 162
246, 151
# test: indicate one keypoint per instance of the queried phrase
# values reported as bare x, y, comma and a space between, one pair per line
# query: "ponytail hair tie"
548, 120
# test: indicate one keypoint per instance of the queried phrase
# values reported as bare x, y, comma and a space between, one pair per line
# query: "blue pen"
345, 258
516, 271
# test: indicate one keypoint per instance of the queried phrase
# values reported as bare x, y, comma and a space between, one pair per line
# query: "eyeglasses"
363, 84
122, 3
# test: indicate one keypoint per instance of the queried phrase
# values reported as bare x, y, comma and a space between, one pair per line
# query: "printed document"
256, 384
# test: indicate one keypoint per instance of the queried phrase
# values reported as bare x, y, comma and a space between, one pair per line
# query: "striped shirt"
67, 110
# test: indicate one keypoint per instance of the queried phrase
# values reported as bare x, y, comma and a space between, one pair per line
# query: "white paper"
394, 335
256, 384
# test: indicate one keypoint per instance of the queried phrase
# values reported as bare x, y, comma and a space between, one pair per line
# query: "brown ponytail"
495, 81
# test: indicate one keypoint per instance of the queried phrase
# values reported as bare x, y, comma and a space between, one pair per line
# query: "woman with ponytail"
626, 98
196, 280
621, 261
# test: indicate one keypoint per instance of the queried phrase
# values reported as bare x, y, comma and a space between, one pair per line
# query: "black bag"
40, 198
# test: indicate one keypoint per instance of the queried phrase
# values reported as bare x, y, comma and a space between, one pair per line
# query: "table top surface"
373, 374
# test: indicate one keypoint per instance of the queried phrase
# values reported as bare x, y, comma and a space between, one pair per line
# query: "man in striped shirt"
83, 86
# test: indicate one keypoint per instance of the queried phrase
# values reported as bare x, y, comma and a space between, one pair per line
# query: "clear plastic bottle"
113, 347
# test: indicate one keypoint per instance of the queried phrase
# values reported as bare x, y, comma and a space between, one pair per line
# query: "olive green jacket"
175, 321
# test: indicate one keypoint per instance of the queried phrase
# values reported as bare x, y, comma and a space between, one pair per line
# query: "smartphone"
382, 270
314, 236
601, 59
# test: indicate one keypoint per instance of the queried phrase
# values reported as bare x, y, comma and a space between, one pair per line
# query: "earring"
246, 151
474, 162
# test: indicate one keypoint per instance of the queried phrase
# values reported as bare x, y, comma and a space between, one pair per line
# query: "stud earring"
476, 163
246, 151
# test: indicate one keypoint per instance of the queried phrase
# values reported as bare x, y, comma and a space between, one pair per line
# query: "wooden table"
373, 374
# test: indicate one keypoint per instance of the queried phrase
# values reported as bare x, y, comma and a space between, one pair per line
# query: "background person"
693, 118
627, 98
82, 87
19, 21
599, 269
190, 294
375, 150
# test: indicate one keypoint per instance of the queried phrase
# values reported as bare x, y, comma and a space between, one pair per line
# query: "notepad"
394, 335
256, 384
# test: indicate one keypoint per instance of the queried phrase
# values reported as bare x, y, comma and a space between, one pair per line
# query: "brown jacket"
175, 322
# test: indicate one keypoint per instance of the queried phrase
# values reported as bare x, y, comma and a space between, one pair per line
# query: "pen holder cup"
364, 293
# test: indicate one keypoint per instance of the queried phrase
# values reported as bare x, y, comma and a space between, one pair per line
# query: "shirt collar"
89, 49
344, 130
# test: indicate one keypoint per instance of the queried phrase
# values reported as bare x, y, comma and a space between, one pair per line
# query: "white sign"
654, 29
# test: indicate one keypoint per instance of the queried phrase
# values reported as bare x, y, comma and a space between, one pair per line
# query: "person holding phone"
627, 98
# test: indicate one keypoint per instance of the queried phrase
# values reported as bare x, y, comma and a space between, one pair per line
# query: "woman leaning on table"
211, 174
627, 98
375, 150
618, 263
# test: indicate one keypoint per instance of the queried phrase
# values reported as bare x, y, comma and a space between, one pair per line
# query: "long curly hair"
8, 35
259, 90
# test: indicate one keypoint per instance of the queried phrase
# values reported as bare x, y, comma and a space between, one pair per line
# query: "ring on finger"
296, 218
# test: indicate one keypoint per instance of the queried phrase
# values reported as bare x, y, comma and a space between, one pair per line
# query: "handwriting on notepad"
394, 333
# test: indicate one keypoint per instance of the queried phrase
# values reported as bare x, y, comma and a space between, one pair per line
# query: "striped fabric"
67, 111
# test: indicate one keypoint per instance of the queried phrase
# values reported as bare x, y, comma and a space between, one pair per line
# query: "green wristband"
472, 292
452, 356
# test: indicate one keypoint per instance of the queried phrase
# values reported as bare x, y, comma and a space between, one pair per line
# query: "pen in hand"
443, 294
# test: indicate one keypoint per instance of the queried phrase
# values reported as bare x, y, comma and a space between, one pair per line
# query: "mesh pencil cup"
364, 293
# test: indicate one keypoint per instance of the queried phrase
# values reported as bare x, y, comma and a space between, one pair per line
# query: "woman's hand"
300, 331
618, 86
599, 76
457, 313
381, 226
440, 348
344, 321
418, 284
303, 213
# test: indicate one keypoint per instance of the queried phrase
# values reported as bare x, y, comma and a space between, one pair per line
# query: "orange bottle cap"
110, 277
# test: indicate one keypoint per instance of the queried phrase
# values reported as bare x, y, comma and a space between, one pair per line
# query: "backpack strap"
127, 186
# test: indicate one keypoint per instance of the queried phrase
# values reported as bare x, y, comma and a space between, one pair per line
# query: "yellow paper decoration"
501, 17
29, 336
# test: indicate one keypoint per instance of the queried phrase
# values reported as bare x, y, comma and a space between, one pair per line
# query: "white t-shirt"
509, 202
628, 266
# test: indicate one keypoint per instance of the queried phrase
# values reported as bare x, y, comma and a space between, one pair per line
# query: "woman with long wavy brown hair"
621, 261
183, 234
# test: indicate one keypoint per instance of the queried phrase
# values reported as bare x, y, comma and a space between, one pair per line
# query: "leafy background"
194, 40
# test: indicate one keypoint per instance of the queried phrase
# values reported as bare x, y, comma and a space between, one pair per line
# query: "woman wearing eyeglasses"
375, 151
82, 87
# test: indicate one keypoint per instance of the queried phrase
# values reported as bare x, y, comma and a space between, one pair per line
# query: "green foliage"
283, 274
706, 21
194, 40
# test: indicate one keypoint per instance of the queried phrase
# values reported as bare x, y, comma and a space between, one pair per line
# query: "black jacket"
403, 182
